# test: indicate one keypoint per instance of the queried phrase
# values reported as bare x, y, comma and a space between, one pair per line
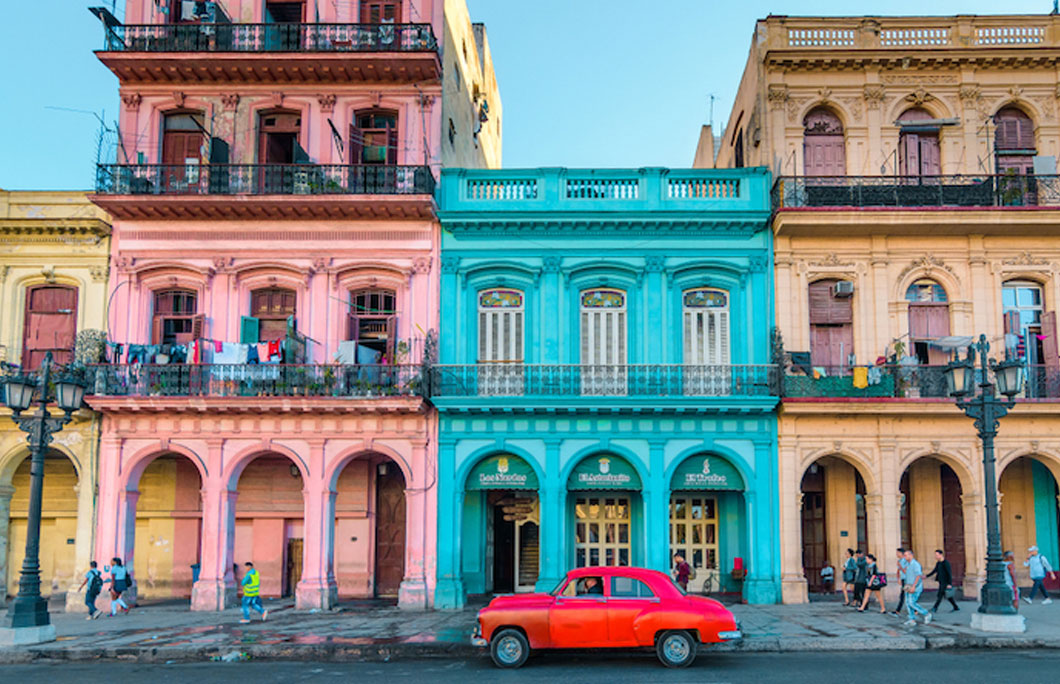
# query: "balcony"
471, 199
897, 382
605, 387
255, 380
917, 192
276, 53
219, 191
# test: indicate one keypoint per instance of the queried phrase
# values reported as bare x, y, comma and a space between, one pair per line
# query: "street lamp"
29, 609
996, 612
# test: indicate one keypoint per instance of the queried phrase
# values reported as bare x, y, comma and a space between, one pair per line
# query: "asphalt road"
966, 667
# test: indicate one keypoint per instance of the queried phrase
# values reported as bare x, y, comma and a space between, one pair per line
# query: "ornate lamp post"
28, 614
996, 612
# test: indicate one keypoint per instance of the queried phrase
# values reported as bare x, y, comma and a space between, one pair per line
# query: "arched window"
823, 146
929, 319
706, 327
373, 324
1014, 145
831, 323
50, 324
918, 144
176, 319
271, 307
500, 325
374, 137
603, 341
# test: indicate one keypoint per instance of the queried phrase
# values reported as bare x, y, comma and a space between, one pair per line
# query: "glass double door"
602, 530
694, 534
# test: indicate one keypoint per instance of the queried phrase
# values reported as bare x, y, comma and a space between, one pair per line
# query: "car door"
577, 621
628, 599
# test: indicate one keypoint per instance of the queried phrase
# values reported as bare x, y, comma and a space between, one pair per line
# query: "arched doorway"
834, 518
501, 504
932, 514
823, 144
1029, 512
269, 526
708, 525
918, 144
605, 511
58, 529
168, 533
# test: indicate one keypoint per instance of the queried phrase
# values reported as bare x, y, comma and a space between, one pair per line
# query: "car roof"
607, 571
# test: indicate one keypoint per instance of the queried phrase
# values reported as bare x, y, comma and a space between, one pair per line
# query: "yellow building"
917, 204
53, 284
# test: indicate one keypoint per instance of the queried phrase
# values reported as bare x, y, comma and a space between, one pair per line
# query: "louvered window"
603, 341
706, 341
500, 341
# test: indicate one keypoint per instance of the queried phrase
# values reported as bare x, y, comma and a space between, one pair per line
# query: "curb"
411, 651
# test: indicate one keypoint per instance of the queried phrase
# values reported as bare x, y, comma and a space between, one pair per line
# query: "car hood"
506, 601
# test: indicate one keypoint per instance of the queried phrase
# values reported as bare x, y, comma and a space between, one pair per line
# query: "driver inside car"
591, 585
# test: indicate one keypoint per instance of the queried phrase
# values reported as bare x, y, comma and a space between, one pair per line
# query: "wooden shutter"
157, 329
824, 147
248, 330
930, 156
198, 325
827, 308
50, 324
391, 337
356, 145
1015, 130
909, 154
1050, 352
391, 145
831, 345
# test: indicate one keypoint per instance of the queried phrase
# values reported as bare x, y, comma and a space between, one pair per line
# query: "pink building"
274, 289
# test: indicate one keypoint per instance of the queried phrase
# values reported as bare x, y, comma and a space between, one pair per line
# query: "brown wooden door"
930, 322
381, 12
50, 324
831, 345
182, 151
389, 530
952, 523
814, 546
294, 566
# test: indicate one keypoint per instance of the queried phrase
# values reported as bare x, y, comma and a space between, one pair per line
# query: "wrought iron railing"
648, 380
226, 37
255, 380
999, 190
898, 381
263, 179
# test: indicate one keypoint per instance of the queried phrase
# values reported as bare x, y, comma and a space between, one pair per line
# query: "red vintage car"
605, 608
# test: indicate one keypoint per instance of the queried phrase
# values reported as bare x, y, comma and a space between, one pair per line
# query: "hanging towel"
252, 353
819, 372
275, 349
861, 377
875, 375
263, 352
218, 346
229, 353
347, 353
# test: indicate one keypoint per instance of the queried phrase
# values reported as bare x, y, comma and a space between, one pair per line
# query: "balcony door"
176, 318
183, 138
278, 144
824, 146
918, 146
929, 319
603, 342
381, 11
284, 30
50, 324
1014, 150
706, 341
272, 307
373, 325
500, 342
831, 327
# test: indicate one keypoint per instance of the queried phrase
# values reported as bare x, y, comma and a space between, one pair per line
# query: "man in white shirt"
1039, 567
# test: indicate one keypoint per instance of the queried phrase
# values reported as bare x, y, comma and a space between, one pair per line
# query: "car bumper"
734, 635
477, 639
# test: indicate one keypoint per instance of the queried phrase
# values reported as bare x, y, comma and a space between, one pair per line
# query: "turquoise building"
604, 387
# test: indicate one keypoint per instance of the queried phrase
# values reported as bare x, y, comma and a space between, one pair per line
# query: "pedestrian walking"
861, 577
252, 594
828, 578
1039, 567
877, 581
1010, 578
900, 554
914, 586
943, 572
119, 582
850, 571
682, 571
93, 585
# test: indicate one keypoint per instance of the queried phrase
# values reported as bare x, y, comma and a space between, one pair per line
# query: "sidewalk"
163, 633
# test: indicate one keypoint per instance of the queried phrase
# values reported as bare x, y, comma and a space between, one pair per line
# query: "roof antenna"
713, 97
1056, 7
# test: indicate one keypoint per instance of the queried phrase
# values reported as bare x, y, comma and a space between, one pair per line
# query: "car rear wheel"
676, 648
509, 648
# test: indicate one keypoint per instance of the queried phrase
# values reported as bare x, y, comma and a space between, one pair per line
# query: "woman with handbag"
877, 581
850, 571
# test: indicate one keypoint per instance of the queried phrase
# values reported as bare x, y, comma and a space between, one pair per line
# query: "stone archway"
1030, 514
931, 514
834, 515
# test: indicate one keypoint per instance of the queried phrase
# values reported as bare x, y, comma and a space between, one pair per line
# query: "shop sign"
706, 472
604, 472
504, 471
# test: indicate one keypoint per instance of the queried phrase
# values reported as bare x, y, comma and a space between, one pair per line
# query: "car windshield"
559, 587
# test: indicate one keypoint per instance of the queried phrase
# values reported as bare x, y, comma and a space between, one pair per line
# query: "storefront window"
601, 531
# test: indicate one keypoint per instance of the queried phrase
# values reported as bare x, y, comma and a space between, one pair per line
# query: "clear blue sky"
584, 82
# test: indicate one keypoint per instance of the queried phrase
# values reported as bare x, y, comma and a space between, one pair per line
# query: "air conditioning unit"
843, 289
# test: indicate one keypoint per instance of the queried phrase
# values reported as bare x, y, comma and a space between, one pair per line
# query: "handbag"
879, 580
950, 592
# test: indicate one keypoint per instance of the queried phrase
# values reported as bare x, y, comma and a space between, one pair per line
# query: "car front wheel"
676, 649
509, 648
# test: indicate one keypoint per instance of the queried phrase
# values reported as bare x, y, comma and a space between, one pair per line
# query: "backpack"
95, 585
691, 571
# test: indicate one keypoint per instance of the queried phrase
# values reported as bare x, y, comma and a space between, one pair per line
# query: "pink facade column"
216, 587
317, 587
413, 591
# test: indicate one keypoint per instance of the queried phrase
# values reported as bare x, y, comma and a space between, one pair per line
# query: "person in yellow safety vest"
252, 594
